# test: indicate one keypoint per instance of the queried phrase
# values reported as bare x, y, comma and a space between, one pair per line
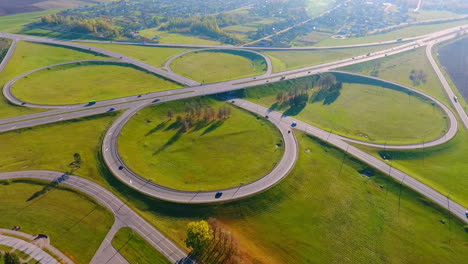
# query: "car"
455, 99
121, 167
282, 78
267, 117
156, 100
466, 214
294, 124
91, 103
139, 96
111, 109
233, 101
267, 80
218, 194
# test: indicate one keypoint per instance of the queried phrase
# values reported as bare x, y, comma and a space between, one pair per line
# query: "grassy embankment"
75, 223
363, 109
406, 32
156, 56
284, 60
323, 205
175, 38
97, 81
440, 167
135, 249
217, 66
211, 155
29, 56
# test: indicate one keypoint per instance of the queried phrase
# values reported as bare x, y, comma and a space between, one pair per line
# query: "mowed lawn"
397, 68
156, 56
363, 111
135, 249
75, 223
29, 56
325, 211
214, 155
217, 66
97, 81
324, 204
442, 167
284, 60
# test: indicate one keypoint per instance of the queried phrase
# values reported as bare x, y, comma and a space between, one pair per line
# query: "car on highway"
455, 99
282, 78
294, 124
91, 103
218, 194
267, 117
121, 167
111, 109
466, 214
156, 100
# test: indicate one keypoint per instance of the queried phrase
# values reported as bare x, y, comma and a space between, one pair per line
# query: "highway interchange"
132, 104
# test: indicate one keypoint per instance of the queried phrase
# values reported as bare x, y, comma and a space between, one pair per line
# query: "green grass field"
363, 221
135, 249
398, 68
217, 66
15, 23
75, 224
174, 38
98, 81
424, 15
207, 157
156, 56
441, 167
363, 110
406, 32
293, 59
29, 56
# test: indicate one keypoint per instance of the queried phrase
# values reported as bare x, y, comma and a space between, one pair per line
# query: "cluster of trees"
293, 98
10, 258
196, 112
200, 25
4, 45
418, 77
212, 243
98, 27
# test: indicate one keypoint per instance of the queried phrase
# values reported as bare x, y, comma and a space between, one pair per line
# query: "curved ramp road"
448, 90
115, 163
32, 250
29, 237
382, 166
13, 99
266, 58
124, 215
112, 54
449, 134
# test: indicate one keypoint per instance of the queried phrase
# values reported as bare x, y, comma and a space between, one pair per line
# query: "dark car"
111, 109
294, 124
267, 117
218, 194
156, 100
121, 167
466, 214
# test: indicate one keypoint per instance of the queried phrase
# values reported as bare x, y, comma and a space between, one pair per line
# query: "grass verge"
75, 223
135, 249
207, 156
219, 65
97, 81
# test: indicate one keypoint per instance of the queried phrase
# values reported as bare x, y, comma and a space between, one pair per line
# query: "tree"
199, 236
170, 114
11, 258
326, 80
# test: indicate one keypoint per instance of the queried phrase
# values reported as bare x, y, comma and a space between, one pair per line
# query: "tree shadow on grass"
157, 128
327, 96
170, 142
176, 125
294, 110
213, 127
49, 187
